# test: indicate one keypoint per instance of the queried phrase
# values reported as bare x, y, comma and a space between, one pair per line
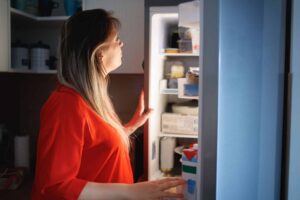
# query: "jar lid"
177, 63
19, 44
40, 45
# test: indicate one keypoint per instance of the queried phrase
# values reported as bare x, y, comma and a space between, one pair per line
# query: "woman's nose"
121, 44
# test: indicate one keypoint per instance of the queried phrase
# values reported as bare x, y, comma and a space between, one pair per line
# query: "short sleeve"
60, 146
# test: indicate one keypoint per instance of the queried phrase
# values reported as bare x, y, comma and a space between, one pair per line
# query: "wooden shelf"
28, 71
18, 13
180, 54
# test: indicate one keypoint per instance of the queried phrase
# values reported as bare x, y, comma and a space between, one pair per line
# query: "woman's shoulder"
65, 98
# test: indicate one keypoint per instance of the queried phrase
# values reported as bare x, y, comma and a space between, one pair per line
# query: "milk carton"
189, 170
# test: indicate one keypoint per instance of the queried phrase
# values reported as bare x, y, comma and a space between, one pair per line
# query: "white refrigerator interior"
163, 25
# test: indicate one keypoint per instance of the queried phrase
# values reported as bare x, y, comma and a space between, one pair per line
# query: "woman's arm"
150, 190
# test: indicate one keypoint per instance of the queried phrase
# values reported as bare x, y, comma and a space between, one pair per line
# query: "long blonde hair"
81, 69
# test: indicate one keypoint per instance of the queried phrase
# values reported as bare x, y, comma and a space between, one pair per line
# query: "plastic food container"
185, 46
179, 124
184, 33
186, 108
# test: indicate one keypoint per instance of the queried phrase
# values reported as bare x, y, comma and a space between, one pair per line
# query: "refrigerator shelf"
180, 54
177, 135
164, 90
169, 91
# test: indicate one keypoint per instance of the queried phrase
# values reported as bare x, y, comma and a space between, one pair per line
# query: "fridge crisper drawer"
180, 124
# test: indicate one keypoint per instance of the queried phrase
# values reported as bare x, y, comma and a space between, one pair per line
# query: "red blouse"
76, 146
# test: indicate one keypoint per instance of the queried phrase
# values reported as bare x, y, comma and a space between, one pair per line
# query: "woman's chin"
116, 67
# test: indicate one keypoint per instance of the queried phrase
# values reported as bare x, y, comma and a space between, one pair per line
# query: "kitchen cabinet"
131, 15
17, 25
4, 35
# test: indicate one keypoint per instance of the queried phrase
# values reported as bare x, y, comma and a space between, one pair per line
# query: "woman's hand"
140, 116
155, 190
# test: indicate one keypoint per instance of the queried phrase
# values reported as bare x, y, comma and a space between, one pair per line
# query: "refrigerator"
240, 97
293, 178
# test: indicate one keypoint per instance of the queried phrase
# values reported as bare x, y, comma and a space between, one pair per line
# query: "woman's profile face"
111, 53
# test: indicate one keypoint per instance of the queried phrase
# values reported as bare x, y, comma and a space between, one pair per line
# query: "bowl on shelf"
186, 108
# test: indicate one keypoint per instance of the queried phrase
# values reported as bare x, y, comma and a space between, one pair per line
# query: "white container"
177, 70
39, 57
21, 148
167, 146
19, 56
195, 40
189, 14
179, 124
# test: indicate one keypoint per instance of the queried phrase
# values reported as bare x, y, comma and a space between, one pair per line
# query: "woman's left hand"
140, 116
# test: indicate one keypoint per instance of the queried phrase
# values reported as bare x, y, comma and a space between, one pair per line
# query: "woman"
83, 147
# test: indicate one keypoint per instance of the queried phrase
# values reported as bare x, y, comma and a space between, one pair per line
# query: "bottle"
167, 146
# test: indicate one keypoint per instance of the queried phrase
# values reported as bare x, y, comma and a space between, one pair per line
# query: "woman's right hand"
155, 190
